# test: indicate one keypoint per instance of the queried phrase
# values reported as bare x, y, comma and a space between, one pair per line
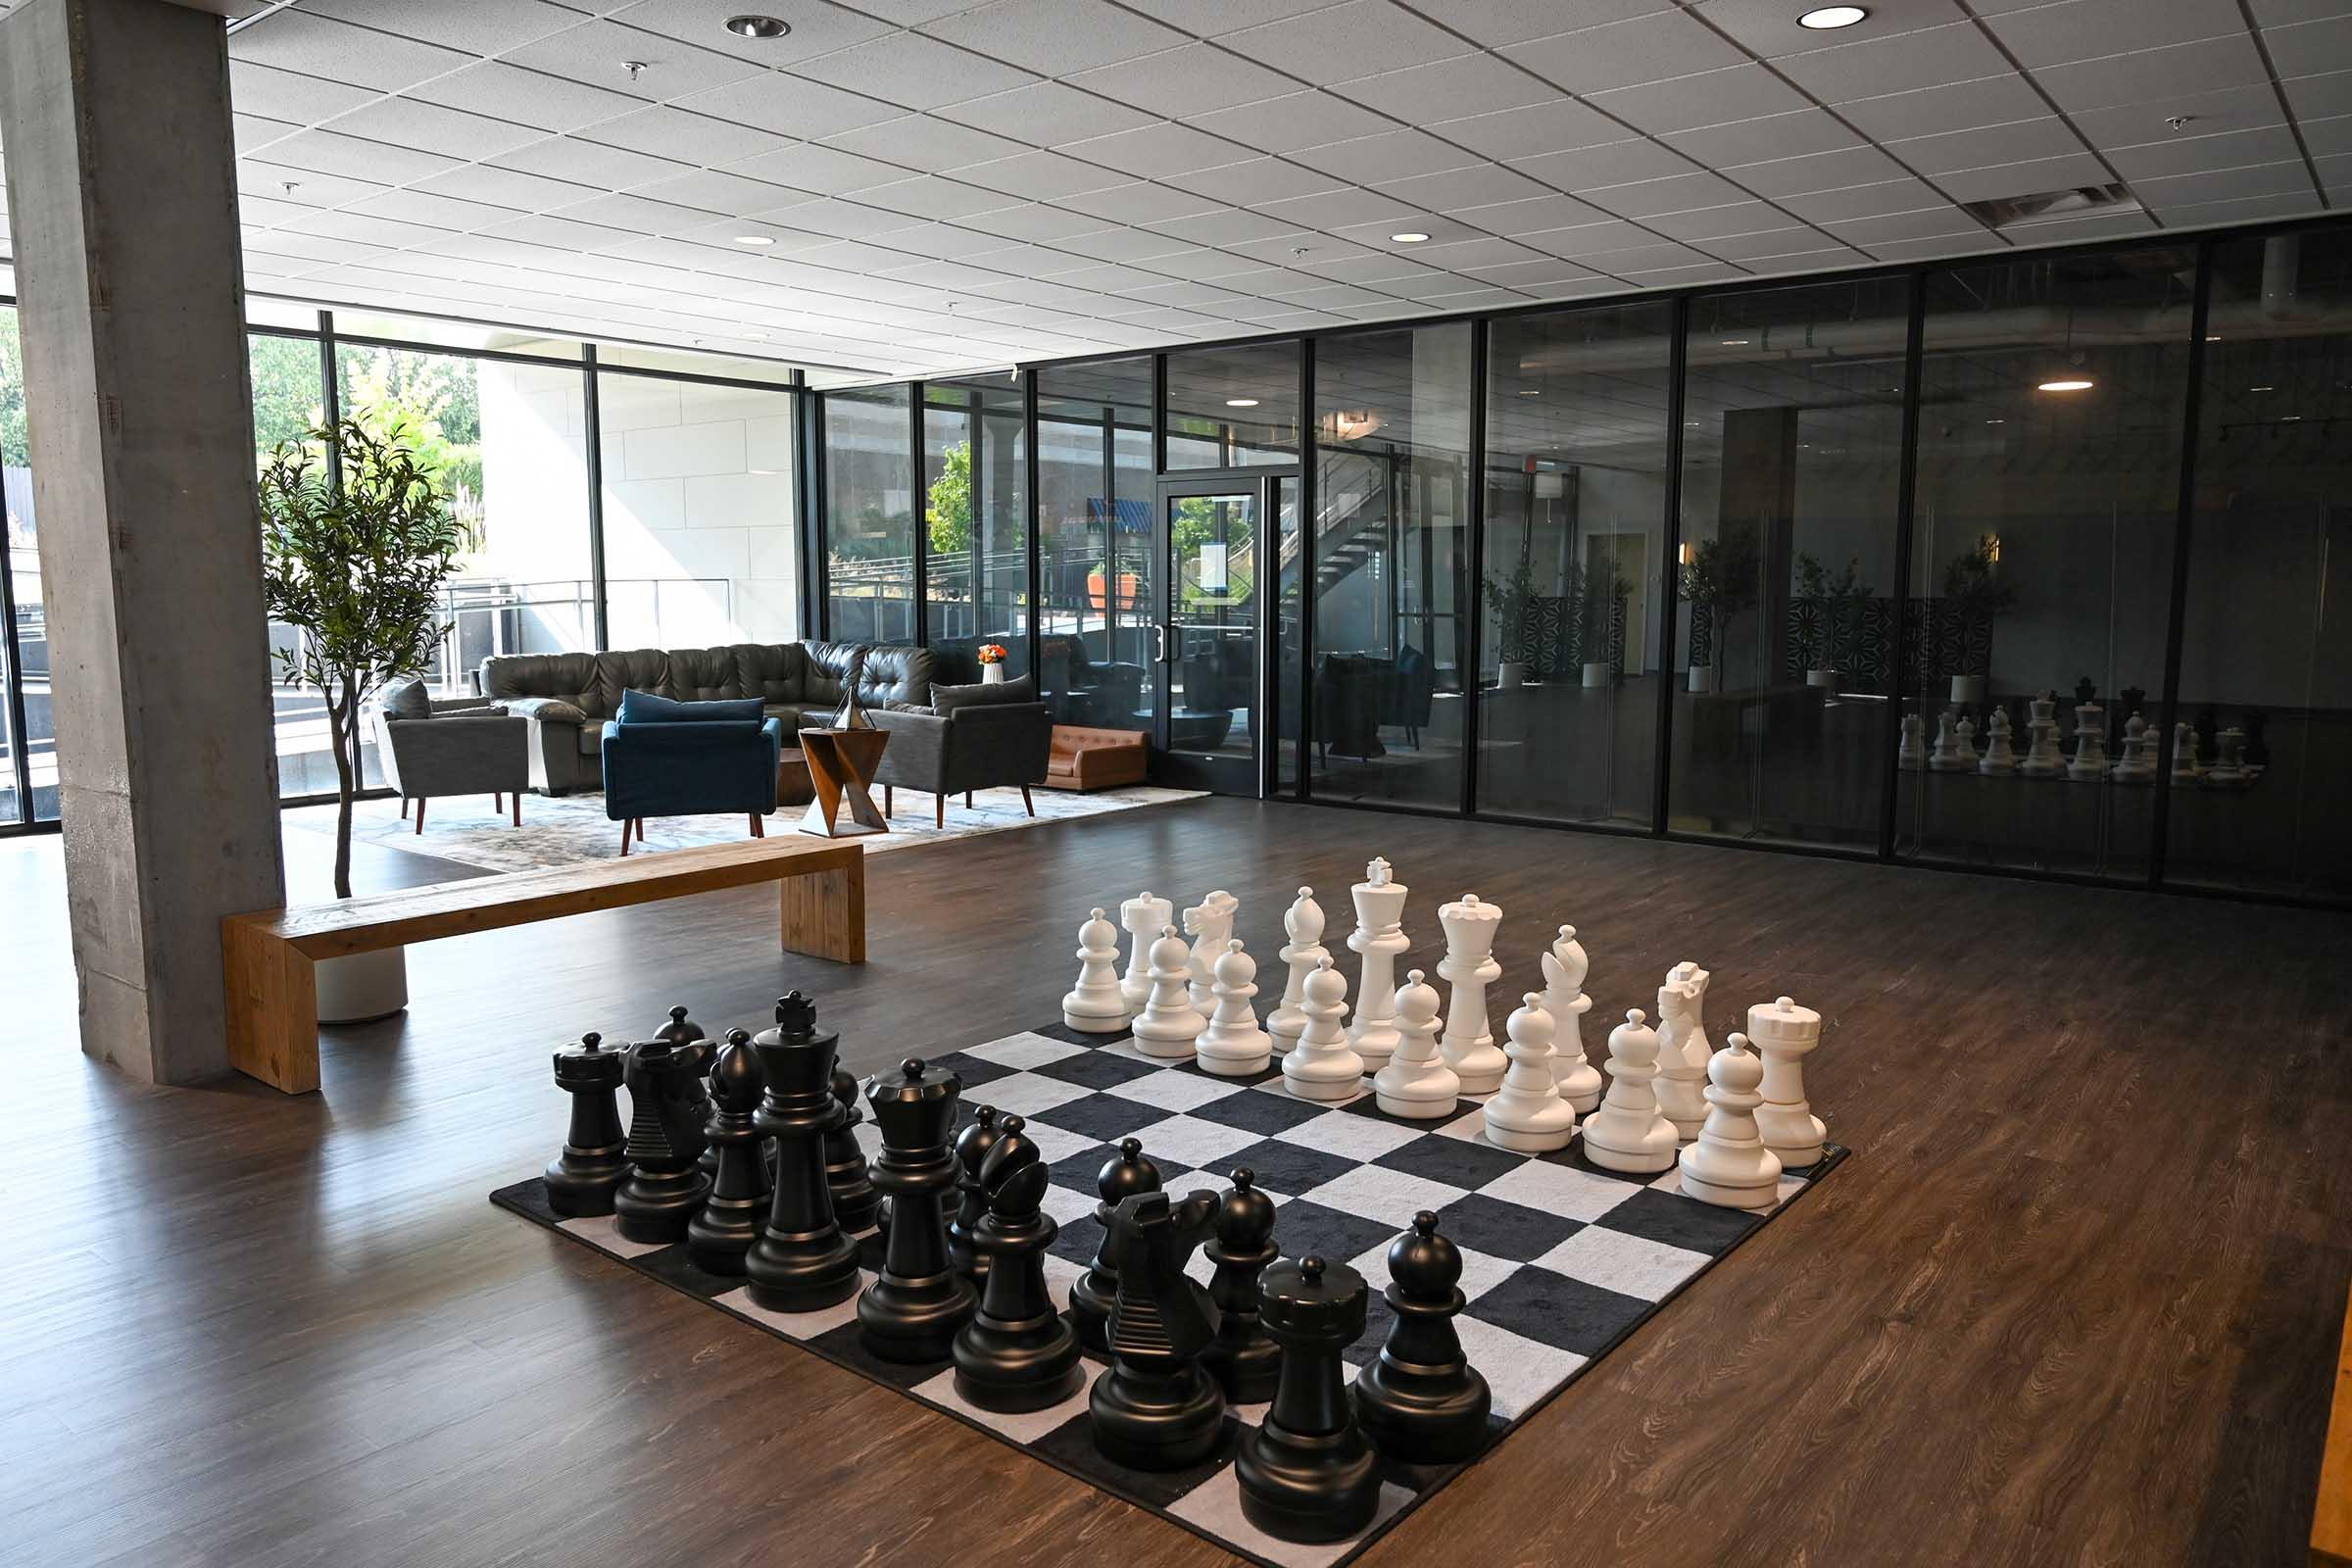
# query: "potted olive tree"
357, 540
1973, 596
1512, 601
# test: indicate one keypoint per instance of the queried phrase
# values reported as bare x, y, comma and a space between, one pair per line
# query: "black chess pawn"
1422, 1401
731, 1217
1307, 1472
972, 1200
854, 1200
1017, 1354
1244, 1357
668, 1113
1157, 1409
582, 1180
1091, 1295
913, 1311
801, 1261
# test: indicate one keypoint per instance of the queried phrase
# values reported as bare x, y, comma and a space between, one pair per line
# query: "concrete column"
115, 118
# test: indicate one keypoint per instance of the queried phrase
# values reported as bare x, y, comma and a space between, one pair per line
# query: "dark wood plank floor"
2076, 1301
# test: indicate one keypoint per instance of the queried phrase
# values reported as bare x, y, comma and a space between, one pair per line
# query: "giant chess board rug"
1562, 1259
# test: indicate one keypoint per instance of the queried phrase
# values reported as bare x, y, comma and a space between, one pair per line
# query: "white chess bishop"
1627, 1133
1416, 1084
1469, 967
1729, 1166
1169, 1023
1785, 1032
1564, 968
1233, 1046
1302, 923
1682, 1050
1097, 1005
1209, 926
1323, 1066
1380, 937
1526, 1113
1141, 917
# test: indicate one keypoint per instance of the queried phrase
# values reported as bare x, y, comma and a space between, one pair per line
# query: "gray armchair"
972, 738
456, 747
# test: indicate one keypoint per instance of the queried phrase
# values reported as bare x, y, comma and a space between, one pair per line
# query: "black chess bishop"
1123, 1176
1307, 1472
669, 1115
801, 1261
1422, 1401
583, 1179
972, 1148
914, 1309
1244, 1357
1017, 1354
855, 1199
723, 1232
1157, 1409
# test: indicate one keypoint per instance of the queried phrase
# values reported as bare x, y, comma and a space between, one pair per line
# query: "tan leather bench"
1084, 758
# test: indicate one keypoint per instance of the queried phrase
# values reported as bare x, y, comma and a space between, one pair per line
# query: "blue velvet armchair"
687, 767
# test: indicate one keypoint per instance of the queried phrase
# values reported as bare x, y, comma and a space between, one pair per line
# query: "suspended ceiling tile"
1795, 134
1625, 54
1390, 155
327, 153
587, 163
1678, 193
1046, 113
1055, 37
432, 211
1961, 105
2027, 178
1152, 150
1344, 42
790, 106
1830, 170
1904, 195
1287, 124
1256, 181
1709, 98
2284, 180
600, 53
2180, 69
811, 166
432, 129
1555, 124
1769, 29
1186, 82
528, 97
2091, 30
1617, 163
337, 51
712, 190
258, 89
2245, 106
477, 27
816, 29
912, 71
1041, 176
1438, 89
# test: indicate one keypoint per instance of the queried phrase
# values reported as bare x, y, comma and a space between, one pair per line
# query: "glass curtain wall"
1094, 517
1792, 418
1577, 409
869, 515
27, 735
2051, 403
1233, 408
975, 526
289, 400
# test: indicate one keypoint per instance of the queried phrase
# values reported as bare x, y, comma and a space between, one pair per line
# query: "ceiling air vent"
2019, 212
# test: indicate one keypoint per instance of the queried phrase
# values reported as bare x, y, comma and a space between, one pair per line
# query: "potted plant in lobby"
357, 541
1603, 626
992, 663
1973, 596
1820, 613
1713, 580
1513, 599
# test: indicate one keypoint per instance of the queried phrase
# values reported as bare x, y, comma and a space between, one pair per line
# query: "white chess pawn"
1469, 967
1415, 1084
1682, 1050
1964, 744
1380, 937
1233, 1046
1784, 1033
1912, 755
1627, 1133
1208, 925
1730, 1166
1526, 1113
1141, 917
1302, 923
1564, 970
1169, 1023
1323, 1066
1095, 1004
1999, 757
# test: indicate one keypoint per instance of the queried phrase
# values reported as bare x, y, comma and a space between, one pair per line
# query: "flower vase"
992, 674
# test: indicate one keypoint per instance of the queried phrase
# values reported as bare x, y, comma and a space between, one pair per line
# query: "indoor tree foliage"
356, 567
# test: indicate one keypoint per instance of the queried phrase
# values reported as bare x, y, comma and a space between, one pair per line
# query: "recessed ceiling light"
754, 239
1823, 18
1734, 342
1240, 402
1409, 238
758, 26
2261, 389
1531, 392
2070, 384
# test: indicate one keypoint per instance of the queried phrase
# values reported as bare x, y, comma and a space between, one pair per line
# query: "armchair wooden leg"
625, 824
403, 808
939, 810
1027, 805
968, 800
498, 799
419, 814
515, 800
887, 804
758, 828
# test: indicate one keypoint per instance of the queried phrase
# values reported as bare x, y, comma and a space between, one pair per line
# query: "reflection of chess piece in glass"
1233, 1046
1302, 923
1964, 743
1946, 756
1526, 1113
1140, 918
1785, 1032
2090, 765
1469, 967
1097, 1005
1999, 757
1416, 1084
2184, 754
1169, 1023
1379, 937
1912, 755
1729, 1166
2138, 763
1564, 968
1209, 926
2229, 769
2043, 757
1682, 1050
1323, 1066
1627, 1133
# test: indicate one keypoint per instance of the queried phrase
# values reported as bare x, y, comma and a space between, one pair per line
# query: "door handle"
1160, 642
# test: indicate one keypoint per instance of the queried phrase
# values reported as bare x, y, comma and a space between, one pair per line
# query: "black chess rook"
1307, 1472
1157, 1409
1422, 1401
913, 1312
719, 1236
1123, 1176
801, 1261
1244, 1357
668, 1113
583, 1179
1017, 1354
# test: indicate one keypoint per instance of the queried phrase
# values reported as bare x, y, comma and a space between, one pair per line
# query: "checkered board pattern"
1562, 1259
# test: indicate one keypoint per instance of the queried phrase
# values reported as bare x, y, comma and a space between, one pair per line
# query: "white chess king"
1526, 1113
1627, 1133
1095, 1004
1323, 1066
1233, 1046
1415, 1084
1380, 937
1730, 1166
1209, 926
1169, 1023
1469, 967
1785, 1032
1564, 968
1302, 923
1141, 917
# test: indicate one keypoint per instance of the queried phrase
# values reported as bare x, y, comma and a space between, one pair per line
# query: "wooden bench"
2332, 1517
268, 955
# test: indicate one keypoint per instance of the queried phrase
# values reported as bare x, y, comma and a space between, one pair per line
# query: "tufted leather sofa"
567, 697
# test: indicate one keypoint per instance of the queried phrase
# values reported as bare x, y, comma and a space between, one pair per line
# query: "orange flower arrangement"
991, 653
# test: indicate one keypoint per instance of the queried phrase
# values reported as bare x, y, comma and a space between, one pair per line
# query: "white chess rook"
1564, 968
1627, 1133
1730, 1166
1097, 1005
1469, 967
1682, 1050
1141, 917
1415, 1084
1784, 1033
1323, 1066
1209, 926
1379, 937
1169, 1023
1233, 1046
1302, 923
1526, 1113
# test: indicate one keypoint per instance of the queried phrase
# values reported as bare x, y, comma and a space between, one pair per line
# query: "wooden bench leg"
272, 993
824, 913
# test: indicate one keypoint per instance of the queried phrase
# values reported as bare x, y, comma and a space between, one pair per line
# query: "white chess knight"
1469, 967
1784, 1033
1209, 926
1526, 1113
1097, 1005
1627, 1133
1379, 936
1169, 1023
1302, 923
2091, 745
1564, 968
1233, 1046
1729, 1166
1141, 917
1323, 1066
1682, 1048
1999, 757
1416, 1084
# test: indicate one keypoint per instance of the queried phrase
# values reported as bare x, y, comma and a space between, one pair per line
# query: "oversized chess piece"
729, 1221
1944, 756
1526, 1113
2184, 754
1422, 1401
1379, 936
679, 1030
2229, 769
1123, 1176
1095, 1004
1233, 1046
1911, 755
1469, 967
2090, 765
2137, 764
1964, 743
1141, 917
1017, 1354
2043, 760
911, 1312
1999, 757
1157, 1409
972, 1198
1786, 1034
854, 1200
1244, 1357
583, 1179
1627, 1133
1565, 966
1169, 1023
1302, 923
1730, 1166
1208, 925
684, 1033
667, 1135
1323, 1066
1683, 1049
801, 1261
1416, 1083
1307, 1472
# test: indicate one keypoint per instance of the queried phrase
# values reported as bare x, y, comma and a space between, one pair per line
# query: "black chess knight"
1017, 1354
801, 1261
855, 1199
1121, 1177
729, 1223
972, 1148
1244, 1357
913, 1311
1422, 1401
1307, 1472
1157, 1409
669, 1112
583, 1179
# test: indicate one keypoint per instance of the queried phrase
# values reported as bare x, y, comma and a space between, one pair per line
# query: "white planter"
364, 986
1824, 679
1968, 691
991, 675
1702, 678
1597, 673
1512, 672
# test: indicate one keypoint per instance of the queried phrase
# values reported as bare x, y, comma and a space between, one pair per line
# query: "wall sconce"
1687, 554
1992, 547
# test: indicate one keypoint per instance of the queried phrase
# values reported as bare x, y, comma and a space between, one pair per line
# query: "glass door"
1207, 718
